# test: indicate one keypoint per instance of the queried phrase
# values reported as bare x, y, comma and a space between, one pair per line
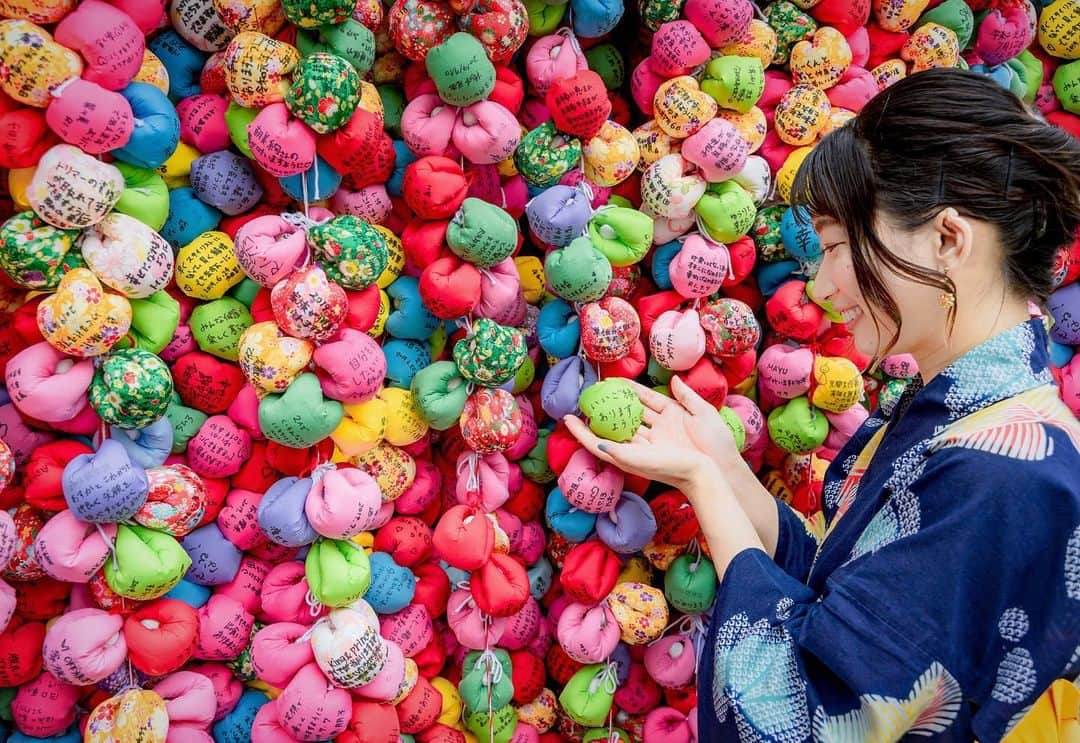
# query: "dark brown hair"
941, 138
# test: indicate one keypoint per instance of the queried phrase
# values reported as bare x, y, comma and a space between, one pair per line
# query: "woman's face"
923, 320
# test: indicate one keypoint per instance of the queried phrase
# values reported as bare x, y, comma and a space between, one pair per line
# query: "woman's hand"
661, 450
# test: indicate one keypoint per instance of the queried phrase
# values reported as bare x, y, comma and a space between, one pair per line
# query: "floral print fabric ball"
640, 610
309, 305
132, 388
176, 500
491, 421
325, 91
34, 254
491, 355
730, 327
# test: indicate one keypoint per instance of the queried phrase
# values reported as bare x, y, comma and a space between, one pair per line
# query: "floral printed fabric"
938, 594
135, 716
34, 254
325, 92
132, 388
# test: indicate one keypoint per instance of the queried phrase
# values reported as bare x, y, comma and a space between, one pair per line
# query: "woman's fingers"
689, 399
587, 438
650, 416
650, 398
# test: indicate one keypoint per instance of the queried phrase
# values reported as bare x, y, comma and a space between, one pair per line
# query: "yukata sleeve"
952, 614
797, 540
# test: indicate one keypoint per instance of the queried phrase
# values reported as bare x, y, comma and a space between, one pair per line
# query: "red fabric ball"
450, 287
434, 187
206, 383
579, 105
44, 470
20, 652
590, 572
161, 636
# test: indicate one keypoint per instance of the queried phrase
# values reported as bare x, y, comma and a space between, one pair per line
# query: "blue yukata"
938, 593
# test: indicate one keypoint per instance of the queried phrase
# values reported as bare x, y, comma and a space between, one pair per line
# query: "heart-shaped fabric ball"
491, 354
677, 340
257, 68
839, 384
822, 60
721, 22
461, 70
613, 409
81, 318
579, 105
106, 486
623, 235
700, 267
270, 359
671, 187
718, 149
801, 114
90, 117
681, 107
491, 421
131, 389
797, 426
931, 45
730, 326
482, 233
281, 145
609, 328
579, 272
300, 417
175, 502
127, 255
611, 156
72, 190
309, 305
268, 249
34, 254
36, 64
785, 371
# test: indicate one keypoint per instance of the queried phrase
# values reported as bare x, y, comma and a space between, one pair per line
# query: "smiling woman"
938, 594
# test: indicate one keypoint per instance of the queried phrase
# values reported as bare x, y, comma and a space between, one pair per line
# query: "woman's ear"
957, 235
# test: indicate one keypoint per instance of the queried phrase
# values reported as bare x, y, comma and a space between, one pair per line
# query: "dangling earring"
947, 298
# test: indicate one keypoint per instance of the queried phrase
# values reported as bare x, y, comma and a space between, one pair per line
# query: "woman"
938, 595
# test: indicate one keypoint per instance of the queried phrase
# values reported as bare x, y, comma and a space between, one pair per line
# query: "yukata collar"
1011, 362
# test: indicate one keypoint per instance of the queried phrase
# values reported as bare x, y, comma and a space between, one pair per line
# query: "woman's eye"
830, 247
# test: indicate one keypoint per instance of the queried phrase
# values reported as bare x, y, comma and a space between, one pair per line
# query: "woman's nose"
824, 286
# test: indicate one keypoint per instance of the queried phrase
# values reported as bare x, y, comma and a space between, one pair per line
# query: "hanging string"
607, 679
111, 544
304, 191
315, 607
311, 630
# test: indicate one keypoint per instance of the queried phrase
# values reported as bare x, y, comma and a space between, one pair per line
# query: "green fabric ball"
393, 103
324, 93
440, 392
237, 119
798, 427
1066, 83
544, 17
491, 354
735, 83
690, 584
352, 41
338, 571
535, 464
586, 699
735, 424
312, 13
952, 14
607, 62
131, 389
185, 422
145, 196
245, 291
461, 70
146, 563
791, 26
154, 321
218, 325
613, 409
579, 272
545, 155
623, 235
475, 682
498, 727
299, 417
727, 210
482, 233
